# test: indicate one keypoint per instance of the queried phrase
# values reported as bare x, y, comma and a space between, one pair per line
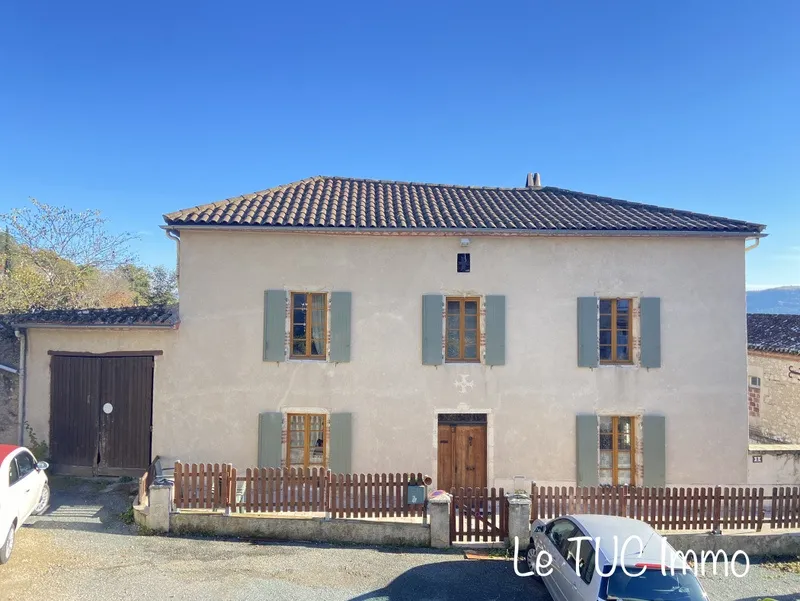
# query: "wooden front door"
101, 413
462, 455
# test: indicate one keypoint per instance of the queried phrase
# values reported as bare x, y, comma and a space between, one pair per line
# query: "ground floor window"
306, 440
617, 451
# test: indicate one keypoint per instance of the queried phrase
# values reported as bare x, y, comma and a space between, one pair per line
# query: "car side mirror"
539, 529
42, 465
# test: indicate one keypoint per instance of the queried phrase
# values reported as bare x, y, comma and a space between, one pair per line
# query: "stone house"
474, 334
773, 377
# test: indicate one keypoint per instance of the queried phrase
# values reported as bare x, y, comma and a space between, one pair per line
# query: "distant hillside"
774, 300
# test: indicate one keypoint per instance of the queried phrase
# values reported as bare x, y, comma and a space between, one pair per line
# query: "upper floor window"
463, 329
615, 330
617, 451
309, 327
755, 381
306, 440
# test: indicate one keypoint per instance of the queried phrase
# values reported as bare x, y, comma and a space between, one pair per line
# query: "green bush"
39, 448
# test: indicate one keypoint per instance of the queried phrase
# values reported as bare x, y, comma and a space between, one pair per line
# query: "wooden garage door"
101, 412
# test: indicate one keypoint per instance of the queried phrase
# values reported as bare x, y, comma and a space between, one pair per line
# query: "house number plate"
757, 459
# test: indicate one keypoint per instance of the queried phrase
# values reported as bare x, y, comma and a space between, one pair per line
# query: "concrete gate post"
160, 507
439, 510
519, 516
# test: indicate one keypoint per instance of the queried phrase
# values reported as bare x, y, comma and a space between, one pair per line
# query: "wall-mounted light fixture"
464, 241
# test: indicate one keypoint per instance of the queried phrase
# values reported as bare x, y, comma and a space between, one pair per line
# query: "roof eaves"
474, 231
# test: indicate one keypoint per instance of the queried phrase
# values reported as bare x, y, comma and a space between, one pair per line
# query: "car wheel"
8, 545
44, 501
530, 559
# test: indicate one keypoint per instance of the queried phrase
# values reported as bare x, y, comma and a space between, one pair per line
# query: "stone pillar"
439, 511
160, 507
519, 515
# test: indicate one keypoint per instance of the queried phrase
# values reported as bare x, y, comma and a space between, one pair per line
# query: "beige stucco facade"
211, 382
773, 465
774, 405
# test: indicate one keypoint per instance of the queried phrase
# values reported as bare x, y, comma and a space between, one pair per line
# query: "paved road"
82, 551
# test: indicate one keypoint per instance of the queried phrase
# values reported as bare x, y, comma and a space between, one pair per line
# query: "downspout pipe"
22, 336
175, 235
756, 242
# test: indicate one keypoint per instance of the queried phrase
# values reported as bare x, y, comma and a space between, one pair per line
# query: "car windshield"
652, 585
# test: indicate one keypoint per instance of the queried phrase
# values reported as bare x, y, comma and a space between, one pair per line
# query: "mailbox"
416, 495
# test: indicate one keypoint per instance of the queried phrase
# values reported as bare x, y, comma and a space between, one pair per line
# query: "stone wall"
774, 407
9, 385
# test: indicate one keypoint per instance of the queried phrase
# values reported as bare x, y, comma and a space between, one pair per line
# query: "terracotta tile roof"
773, 333
166, 316
348, 204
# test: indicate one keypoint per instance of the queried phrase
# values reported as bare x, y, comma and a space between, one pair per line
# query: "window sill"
462, 361
624, 365
307, 360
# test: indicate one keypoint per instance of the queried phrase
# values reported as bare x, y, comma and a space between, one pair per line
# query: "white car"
646, 569
23, 492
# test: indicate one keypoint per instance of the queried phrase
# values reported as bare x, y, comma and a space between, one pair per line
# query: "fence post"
717, 505
160, 507
328, 494
519, 525
439, 508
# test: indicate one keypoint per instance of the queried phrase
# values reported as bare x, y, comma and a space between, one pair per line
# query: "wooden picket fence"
785, 507
315, 490
269, 490
203, 486
700, 508
478, 515
373, 495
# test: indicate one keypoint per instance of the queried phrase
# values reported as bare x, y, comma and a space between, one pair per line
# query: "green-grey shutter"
270, 427
587, 443
274, 325
654, 443
341, 447
587, 332
340, 326
495, 330
650, 329
432, 329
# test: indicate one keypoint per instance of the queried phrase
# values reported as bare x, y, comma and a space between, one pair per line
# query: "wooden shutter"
587, 443
495, 330
270, 428
274, 325
650, 329
340, 327
432, 329
341, 444
654, 442
587, 332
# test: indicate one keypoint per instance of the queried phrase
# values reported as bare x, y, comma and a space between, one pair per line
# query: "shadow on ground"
91, 504
460, 581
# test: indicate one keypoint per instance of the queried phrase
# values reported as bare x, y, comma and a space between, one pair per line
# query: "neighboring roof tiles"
773, 333
123, 317
347, 204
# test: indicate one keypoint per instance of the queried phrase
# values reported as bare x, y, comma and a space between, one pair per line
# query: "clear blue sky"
140, 108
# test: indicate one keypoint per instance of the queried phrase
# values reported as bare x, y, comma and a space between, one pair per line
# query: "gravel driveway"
83, 551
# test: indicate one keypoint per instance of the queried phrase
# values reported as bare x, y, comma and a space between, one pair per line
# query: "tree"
163, 286
55, 257
156, 286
